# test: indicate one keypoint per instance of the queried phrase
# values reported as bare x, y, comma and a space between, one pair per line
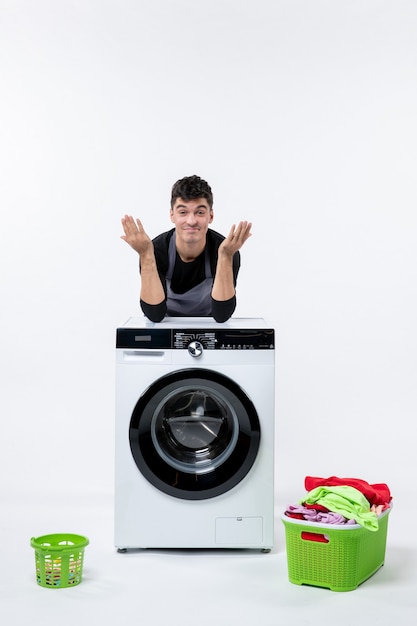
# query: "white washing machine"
194, 458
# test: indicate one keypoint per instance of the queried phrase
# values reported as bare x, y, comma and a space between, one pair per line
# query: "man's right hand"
136, 236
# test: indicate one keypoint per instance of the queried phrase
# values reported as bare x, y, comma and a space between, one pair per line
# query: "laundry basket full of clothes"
336, 534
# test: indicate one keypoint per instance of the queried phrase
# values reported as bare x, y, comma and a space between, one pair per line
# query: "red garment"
375, 494
294, 515
316, 507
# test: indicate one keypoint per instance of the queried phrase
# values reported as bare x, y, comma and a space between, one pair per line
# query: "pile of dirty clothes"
337, 500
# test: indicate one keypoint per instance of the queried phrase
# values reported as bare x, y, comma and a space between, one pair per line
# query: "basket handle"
319, 537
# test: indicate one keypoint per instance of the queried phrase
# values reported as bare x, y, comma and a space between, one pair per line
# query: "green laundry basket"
339, 557
59, 559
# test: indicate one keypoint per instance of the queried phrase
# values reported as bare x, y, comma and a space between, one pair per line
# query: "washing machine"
194, 456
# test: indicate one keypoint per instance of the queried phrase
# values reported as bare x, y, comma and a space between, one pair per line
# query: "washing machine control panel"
223, 340
195, 341
184, 339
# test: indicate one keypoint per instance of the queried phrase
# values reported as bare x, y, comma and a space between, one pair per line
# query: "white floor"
186, 587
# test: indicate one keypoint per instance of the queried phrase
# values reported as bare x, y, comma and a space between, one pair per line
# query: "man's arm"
223, 285
152, 291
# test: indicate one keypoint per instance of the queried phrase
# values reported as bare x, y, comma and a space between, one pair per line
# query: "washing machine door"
194, 434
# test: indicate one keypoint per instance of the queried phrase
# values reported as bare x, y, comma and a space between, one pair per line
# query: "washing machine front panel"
194, 433
204, 415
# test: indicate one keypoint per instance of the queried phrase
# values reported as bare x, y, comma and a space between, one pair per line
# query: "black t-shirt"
187, 275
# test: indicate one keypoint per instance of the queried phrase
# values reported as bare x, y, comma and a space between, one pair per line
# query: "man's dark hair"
190, 188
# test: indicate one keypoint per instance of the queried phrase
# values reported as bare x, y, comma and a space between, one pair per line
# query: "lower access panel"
239, 531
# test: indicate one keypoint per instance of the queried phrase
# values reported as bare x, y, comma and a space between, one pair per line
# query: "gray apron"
195, 302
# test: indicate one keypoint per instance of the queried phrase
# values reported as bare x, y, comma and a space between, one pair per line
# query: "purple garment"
333, 518
311, 515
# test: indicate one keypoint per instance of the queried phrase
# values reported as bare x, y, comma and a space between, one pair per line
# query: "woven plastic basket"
59, 559
338, 557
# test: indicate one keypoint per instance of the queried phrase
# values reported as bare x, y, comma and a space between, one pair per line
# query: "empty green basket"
59, 559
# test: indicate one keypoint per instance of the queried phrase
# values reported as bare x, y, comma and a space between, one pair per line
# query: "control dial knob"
195, 348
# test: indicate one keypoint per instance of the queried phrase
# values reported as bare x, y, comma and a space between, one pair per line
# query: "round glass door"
194, 434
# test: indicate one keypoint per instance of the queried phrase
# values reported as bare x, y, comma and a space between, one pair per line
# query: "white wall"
302, 116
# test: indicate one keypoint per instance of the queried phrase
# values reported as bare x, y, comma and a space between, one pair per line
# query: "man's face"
191, 219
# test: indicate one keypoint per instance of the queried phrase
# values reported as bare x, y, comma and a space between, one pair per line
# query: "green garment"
347, 501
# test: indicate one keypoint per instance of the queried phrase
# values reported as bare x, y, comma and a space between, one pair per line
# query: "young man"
190, 270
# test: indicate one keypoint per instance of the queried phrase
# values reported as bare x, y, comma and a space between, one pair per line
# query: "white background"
301, 114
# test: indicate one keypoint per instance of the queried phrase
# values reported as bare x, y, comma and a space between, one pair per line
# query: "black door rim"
201, 453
